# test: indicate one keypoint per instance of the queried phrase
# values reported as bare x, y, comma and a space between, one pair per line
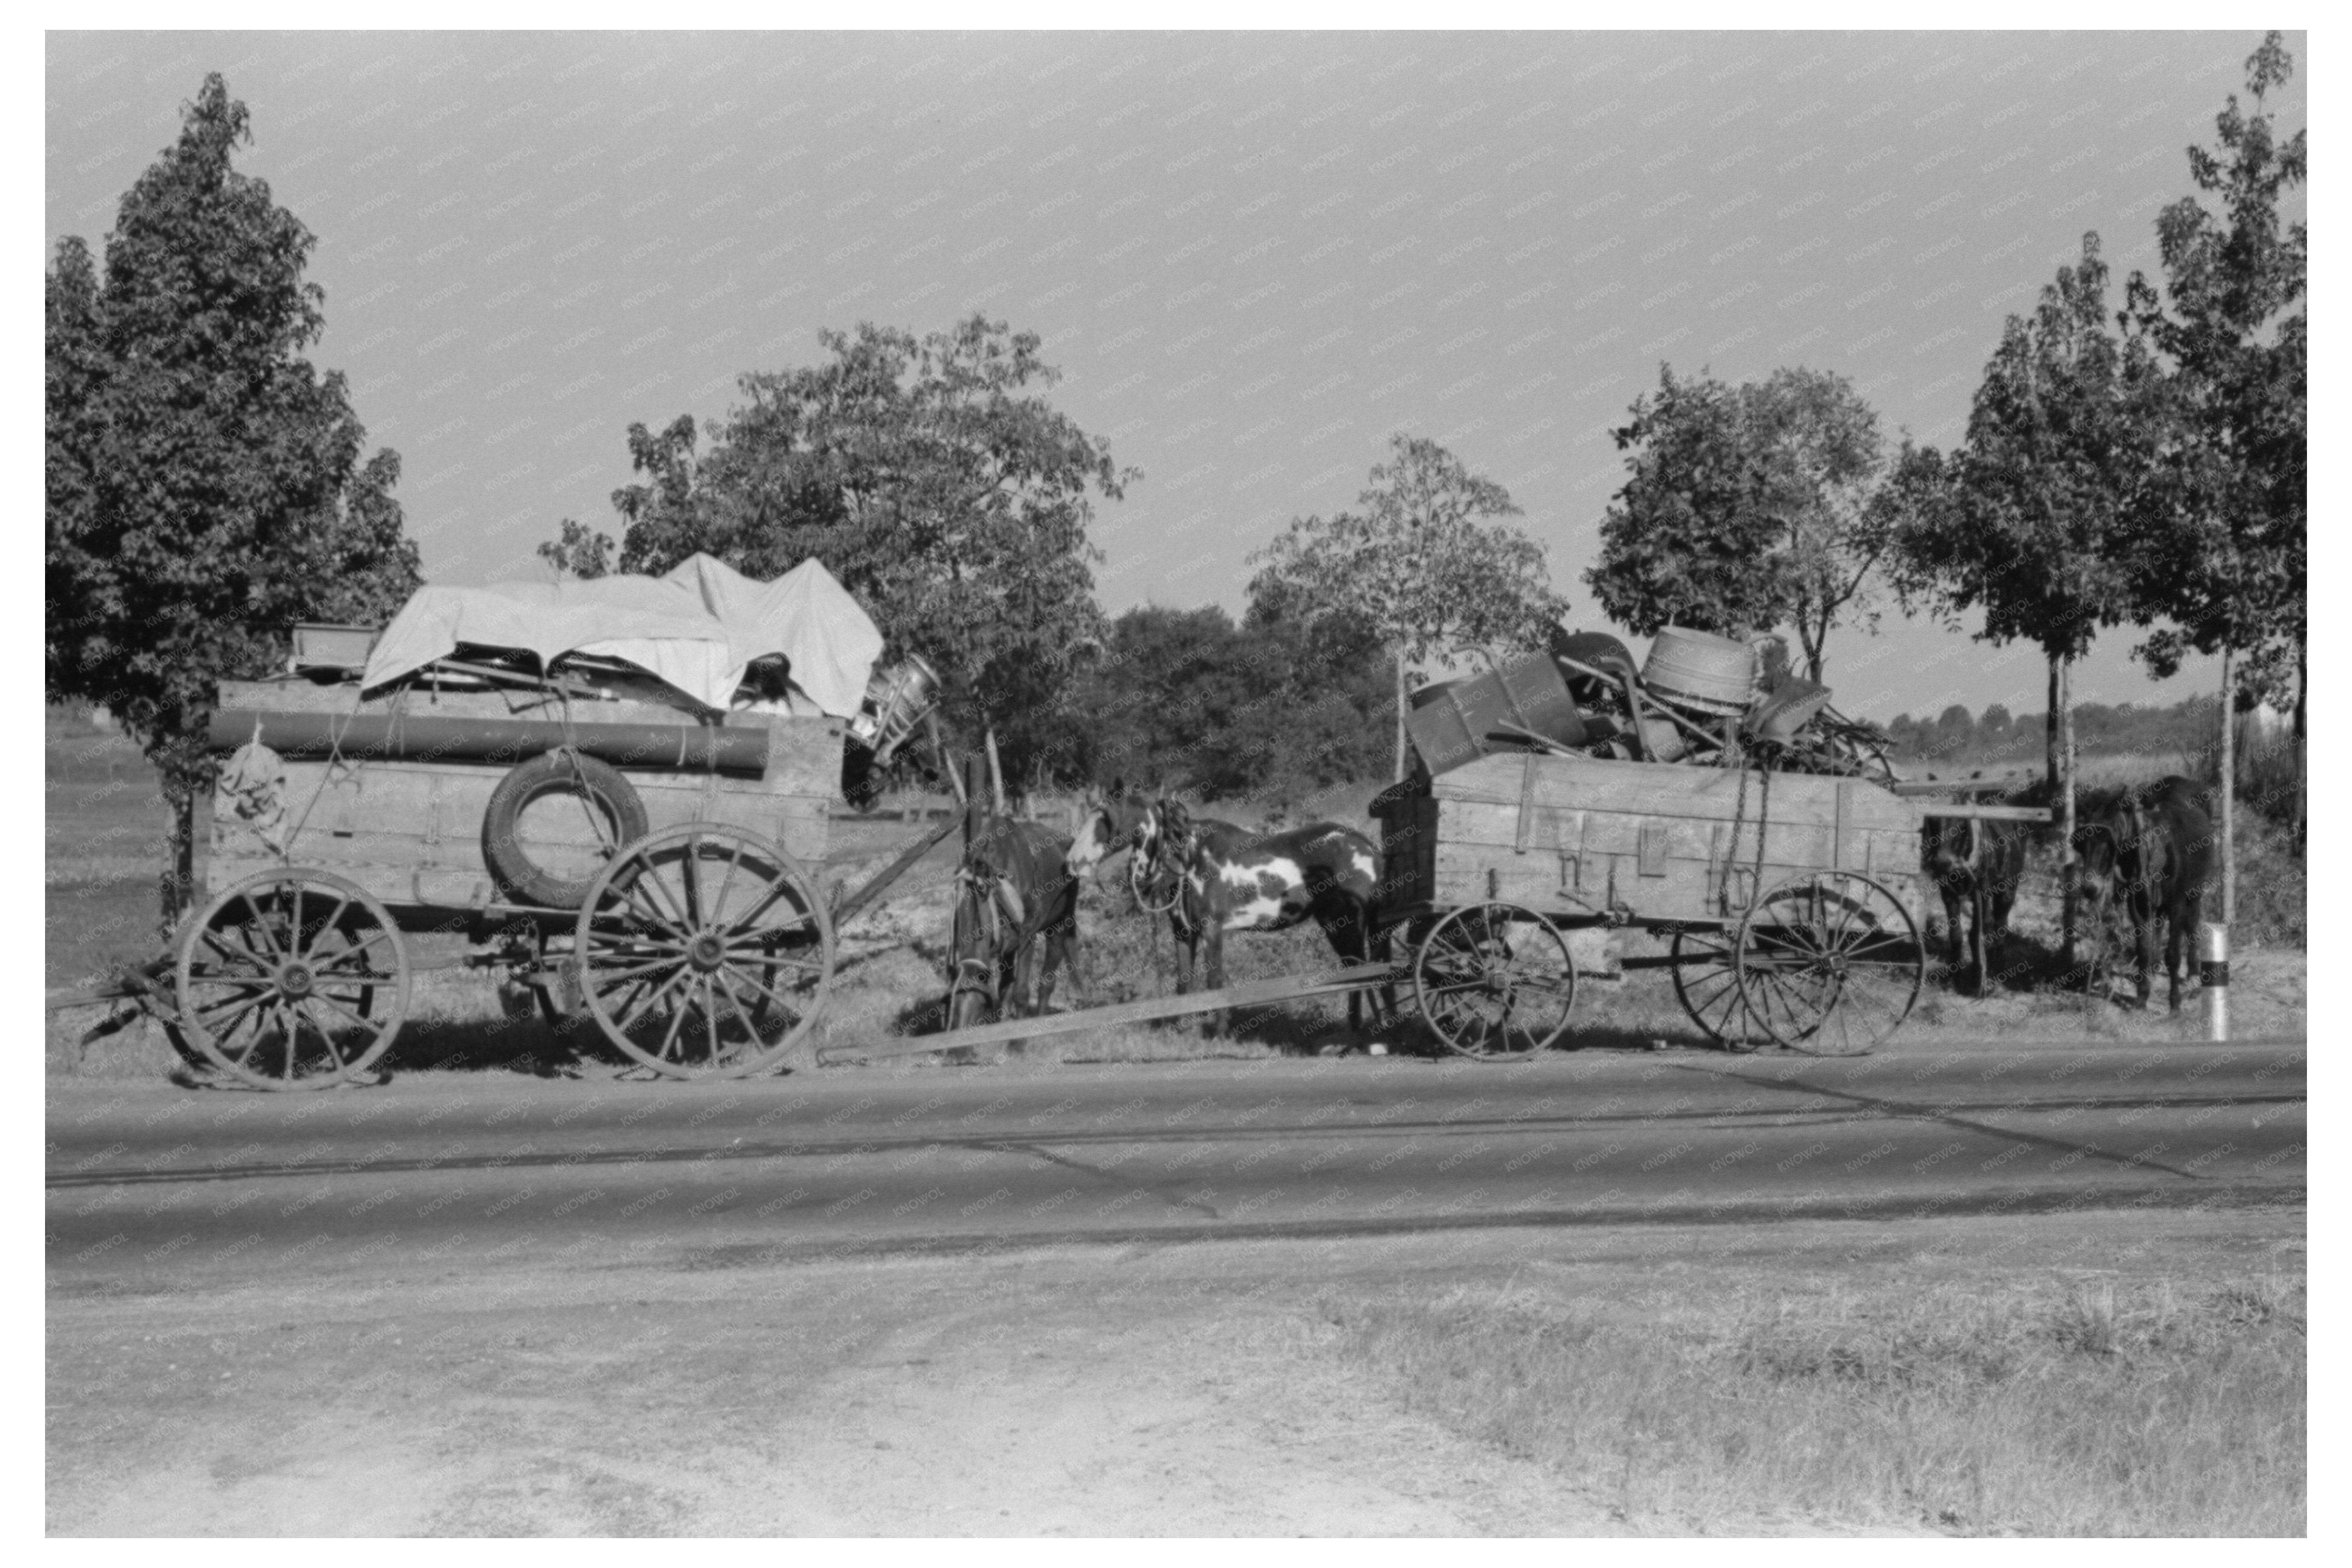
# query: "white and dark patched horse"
1210, 878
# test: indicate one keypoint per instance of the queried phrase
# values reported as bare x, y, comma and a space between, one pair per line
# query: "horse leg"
2143, 921
1953, 954
2172, 962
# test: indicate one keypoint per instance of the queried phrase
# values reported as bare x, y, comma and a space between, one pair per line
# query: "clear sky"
1255, 257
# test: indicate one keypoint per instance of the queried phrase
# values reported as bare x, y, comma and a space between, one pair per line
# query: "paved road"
150, 1184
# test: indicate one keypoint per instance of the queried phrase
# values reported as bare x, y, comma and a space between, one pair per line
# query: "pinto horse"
1110, 825
1016, 921
1216, 878
2156, 844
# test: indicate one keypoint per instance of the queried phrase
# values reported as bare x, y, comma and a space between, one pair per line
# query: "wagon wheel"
1829, 964
704, 951
1490, 991
279, 979
1708, 988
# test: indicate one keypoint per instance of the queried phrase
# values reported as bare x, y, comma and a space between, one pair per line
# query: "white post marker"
2213, 976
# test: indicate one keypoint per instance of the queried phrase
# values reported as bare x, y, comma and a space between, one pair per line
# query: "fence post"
2213, 976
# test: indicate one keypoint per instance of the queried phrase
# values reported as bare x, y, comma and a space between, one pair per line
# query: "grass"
103, 824
2039, 1407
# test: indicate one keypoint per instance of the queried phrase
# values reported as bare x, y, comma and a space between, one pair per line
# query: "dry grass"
2053, 1409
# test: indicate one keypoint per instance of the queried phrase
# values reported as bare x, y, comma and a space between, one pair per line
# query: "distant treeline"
1955, 736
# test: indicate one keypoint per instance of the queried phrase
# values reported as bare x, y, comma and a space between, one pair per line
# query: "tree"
1689, 540
1821, 452
2033, 521
931, 475
1426, 565
2228, 561
1746, 508
1184, 700
204, 487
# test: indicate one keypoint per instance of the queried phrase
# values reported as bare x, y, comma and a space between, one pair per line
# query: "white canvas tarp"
695, 629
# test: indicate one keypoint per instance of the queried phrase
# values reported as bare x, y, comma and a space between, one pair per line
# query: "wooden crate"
411, 832
1566, 835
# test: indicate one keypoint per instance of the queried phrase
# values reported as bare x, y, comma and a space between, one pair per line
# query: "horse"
1976, 865
1111, 824
1212, 877
1015, 922
2156, 844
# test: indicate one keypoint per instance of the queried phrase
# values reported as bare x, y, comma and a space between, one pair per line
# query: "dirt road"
1023, 1301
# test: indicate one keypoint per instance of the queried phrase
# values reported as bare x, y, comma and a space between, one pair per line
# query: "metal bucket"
896, 700
1701, 670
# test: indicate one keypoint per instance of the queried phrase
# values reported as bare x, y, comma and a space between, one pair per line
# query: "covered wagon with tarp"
615, 789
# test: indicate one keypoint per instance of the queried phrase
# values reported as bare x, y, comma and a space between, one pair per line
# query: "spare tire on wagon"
554, 822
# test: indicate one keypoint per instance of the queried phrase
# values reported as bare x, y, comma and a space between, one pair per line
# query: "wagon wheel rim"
1830, 964
292, 979
1706, 984
1495, 982
704, 951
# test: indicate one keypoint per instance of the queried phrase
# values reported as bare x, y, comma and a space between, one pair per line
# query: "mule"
1016, 922
1215, 877
2155, 844
1976, 867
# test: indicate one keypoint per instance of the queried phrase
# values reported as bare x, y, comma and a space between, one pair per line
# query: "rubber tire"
553, 773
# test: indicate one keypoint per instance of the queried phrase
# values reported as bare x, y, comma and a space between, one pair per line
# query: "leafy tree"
1689, 540
1821, 453
1746, 508
1184, 700
931, 475
205, 486
1426, 565
1992, 725
2033, 521
2228, 561
1955, 732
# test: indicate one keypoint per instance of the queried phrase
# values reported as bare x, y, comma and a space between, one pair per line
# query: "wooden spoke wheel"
704, 951
293, 979
1495, 982
1829, 964
1707, 985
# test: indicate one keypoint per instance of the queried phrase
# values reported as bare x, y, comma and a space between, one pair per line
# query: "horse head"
1109, 823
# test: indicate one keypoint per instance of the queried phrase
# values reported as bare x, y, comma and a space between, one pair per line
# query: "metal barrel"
1700, 669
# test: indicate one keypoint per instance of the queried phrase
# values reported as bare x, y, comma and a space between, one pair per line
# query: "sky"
1253, 257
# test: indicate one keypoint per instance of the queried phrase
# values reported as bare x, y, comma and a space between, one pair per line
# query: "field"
104, 834
2086, 1376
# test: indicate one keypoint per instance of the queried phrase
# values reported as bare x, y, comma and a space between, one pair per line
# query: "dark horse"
2156, 845
1015, 922
1977, 866
1212, 877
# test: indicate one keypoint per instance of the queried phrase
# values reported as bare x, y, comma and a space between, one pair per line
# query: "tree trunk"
1402, 706
178, 887
2302, 685
2049, 727
996, 770
2063, 705
2229, 787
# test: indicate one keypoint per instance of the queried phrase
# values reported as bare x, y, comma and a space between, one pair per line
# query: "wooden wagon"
1789, 904
632, 866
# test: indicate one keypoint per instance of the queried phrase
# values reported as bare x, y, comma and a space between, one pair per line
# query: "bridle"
1147, 868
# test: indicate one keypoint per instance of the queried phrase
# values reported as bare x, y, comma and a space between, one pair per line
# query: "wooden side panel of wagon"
1568, 836
411, 832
